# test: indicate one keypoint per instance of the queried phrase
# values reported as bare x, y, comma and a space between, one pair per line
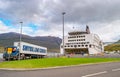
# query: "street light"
21, 23
63, 13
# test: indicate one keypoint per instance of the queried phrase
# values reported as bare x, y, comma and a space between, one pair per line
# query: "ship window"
90, 46
75, 45
87, 42
86, 45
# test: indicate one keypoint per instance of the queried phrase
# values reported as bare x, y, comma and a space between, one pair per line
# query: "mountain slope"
52, 43
113, 47
118, 42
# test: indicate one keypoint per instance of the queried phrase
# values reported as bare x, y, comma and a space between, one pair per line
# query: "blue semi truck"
24, 50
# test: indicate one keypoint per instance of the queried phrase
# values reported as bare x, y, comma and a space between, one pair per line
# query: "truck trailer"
23, 50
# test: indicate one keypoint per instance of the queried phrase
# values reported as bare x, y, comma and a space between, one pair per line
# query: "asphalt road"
97, 70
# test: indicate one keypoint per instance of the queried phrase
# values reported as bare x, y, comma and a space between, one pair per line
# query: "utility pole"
63, 13
21, 23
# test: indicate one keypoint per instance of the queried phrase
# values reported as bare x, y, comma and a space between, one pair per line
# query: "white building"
79, 42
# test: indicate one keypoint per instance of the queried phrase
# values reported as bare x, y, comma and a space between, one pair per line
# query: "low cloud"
3, 27
102, 16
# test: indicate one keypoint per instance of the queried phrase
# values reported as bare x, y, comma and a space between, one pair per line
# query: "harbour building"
82, 42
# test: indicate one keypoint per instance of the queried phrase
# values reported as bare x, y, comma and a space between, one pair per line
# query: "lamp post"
63, 13
21, 23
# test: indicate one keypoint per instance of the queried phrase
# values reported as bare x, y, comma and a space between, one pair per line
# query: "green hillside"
113, 47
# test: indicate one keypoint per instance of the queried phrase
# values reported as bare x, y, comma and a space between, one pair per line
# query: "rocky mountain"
51, 42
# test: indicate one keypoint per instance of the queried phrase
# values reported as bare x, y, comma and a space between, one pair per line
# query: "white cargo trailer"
25, 50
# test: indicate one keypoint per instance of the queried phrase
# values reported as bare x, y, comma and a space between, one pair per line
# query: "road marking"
118, 69
89, 75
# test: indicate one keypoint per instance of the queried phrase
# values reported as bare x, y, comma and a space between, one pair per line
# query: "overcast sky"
44, 17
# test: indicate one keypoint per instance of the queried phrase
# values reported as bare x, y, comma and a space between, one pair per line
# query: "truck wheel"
6, 59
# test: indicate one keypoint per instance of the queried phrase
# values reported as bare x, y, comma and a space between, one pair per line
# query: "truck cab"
11, 52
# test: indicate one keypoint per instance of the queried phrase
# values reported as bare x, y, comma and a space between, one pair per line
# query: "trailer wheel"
23, 56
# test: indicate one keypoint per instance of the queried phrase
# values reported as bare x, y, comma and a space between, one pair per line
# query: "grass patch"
52, 62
